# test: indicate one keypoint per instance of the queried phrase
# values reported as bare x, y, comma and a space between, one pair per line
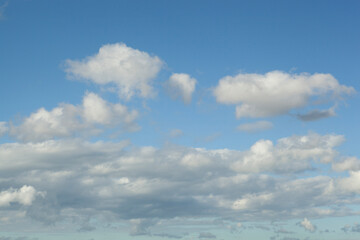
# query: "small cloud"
206, 235
141, 226
175, 133
2, 9
86, 228
181, 85
130, 70
349, 228
3, 128
255, 126
308, 225
316, 115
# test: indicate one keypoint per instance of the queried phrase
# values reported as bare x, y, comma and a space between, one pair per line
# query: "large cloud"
129, 69
276, 92
68, 120
181, 85
144, 185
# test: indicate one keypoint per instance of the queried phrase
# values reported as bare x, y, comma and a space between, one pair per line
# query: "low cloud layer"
130, 70
276, 92
142, 186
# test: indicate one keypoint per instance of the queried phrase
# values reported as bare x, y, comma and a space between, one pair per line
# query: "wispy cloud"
255, 126
2, 9
316, 115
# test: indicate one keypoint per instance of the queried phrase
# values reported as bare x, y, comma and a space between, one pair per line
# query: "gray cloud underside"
141, 185
316, 115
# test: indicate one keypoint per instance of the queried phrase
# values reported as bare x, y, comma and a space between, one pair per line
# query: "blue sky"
179, 119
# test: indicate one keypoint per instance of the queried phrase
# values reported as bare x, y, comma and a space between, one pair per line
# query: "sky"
190, 120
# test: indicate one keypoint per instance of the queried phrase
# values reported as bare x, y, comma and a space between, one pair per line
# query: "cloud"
68, 120
130, 70
3, 128
175, 133
141, 226
206, 235
181, 85
115, 181
308, 225
347, 164
25, 196
17, 238
349, 228
276, 92
316, 115
255, 126
2, 9
291, 154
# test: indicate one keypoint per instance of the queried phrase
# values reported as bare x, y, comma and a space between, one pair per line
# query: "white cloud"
291, 154
350, 184
131, 70
347, 164
112, 180
25, 196
276, 92
181, 85
255, 126
3, 128
308, 225
68, 120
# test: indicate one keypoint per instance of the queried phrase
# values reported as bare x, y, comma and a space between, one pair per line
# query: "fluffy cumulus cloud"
25, 196
142, 186
130, 70
181, 85
307, 225
276, 93
255, 126
68, 120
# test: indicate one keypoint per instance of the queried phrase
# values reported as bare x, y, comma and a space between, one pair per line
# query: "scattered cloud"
349, 228
307, 225
141, 226
68, 120
2, 9
181, 85
25, 196
130, 70
3, 128
316, 115
206, 235
255, 126
347, 164
276, 92
176, 133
